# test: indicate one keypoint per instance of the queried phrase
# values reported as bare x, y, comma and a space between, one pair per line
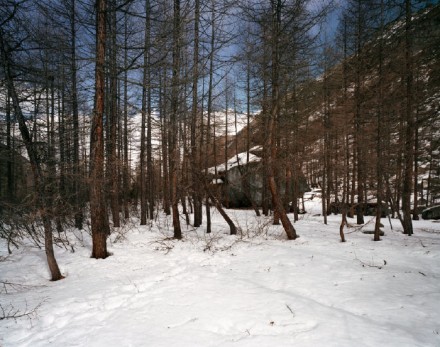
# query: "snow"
225, 122
219, 120
313, 194
254, 289
432, 208
236, 160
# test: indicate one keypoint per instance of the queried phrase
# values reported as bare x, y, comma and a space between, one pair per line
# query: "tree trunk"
219, 207
164, 127
98, 212
113, 160
175, 154
150, 171
78, 203
195, 150
266, 149
409, 126
416, 168
144, 110
34, 161
11, 151
126, 185
48, 245
343, 222
271, 145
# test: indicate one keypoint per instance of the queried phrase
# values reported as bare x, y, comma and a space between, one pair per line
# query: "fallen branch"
370, 265
11, 312
359, 228
7, 287
291, 311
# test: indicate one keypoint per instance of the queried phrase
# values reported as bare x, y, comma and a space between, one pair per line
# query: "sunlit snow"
254, 289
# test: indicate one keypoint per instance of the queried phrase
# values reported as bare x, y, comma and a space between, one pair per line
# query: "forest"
215, 116
120, 108
355, 114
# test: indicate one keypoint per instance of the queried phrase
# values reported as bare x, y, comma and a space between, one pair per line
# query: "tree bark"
150, 171
358, 121
165, 133
195, 150
271, 146
175, 154
219, 207
409, 125
113, 160
11, 151
98, 211
39, 182
343, 222
78, 204
379, 146
144, 110
126, 185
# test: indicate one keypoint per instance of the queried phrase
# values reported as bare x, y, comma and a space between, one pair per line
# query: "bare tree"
276, 7
195, 133
175, 154
409, 124
113, 160
43, 201
98, 210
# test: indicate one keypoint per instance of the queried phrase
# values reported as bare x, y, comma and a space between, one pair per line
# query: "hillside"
323, 117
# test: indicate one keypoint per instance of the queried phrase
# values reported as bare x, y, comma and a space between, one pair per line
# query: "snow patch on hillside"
236, 160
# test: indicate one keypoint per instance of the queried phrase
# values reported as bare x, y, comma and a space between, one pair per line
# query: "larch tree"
44, 202
113, 117
271, 146
195, 132
408, 120
98, 209
146, 113
174, 139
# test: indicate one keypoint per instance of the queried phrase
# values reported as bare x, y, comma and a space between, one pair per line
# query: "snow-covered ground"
256, 289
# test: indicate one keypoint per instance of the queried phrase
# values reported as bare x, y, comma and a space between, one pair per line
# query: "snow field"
221, 290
